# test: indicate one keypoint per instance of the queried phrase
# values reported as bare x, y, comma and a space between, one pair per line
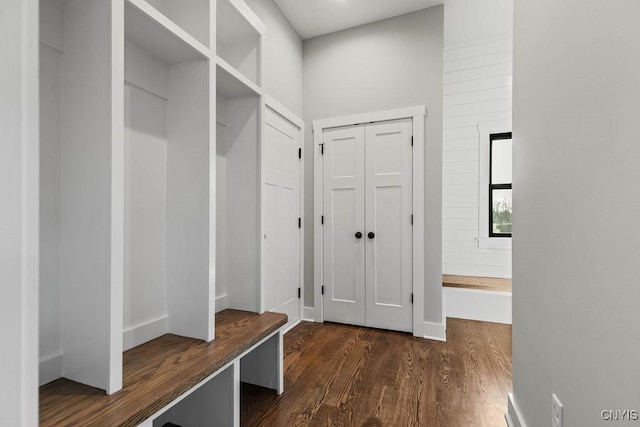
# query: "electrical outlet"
556, 411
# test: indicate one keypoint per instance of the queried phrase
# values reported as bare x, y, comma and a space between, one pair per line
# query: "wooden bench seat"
478, 283
156, 373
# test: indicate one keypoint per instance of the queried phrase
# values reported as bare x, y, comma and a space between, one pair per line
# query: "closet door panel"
387, 247
343, 198
388, 197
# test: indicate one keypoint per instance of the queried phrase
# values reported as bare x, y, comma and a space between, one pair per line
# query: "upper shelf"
147, 28
230, 83
236, 22
194, 16
238, 38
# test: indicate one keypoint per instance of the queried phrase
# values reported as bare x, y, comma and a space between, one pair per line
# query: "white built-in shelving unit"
240, 106
168, 109
151, 117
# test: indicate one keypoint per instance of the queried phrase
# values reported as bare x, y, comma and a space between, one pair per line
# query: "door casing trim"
419, 115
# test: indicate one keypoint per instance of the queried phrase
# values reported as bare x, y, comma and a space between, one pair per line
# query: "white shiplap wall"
477, 89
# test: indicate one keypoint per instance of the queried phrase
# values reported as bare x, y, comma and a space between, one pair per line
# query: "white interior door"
367, 231
388, 177
281, 213
343, 200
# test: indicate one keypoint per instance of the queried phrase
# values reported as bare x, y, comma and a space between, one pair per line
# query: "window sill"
494, 243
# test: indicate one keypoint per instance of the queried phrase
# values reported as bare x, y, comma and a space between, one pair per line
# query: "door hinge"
322, 290
299, 222
322, 220
299, 293
412, 141
299, 153
411, 298
322, 149
411, 219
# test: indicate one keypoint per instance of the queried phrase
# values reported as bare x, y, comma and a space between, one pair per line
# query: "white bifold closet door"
281, 213
367, 191
344, 192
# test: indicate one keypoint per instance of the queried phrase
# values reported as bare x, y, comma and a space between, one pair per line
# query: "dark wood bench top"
473, 282
155, 373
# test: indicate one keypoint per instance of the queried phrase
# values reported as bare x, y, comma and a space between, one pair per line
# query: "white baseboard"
514, 416
50, 368
474, 304
435, 331
431, 331
222, 303
140, 334
291, 326
309, 314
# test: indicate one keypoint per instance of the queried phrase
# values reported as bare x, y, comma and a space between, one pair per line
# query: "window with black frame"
500, 184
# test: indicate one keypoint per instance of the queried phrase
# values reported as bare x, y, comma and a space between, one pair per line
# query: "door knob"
371, 235
358, 235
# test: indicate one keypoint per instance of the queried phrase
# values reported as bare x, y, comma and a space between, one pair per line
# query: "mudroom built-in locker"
172, 220
158, 152
125, 110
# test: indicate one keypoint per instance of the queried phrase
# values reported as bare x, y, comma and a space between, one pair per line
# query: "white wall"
388, 64
145, 189
470, 21
19, 228
282, 56
478, 65
576, 272
221, 204
50, 69
50, 170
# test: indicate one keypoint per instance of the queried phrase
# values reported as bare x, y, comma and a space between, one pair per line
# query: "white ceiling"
312, 18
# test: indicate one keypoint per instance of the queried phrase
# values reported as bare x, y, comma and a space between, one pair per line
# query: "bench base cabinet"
179, 380
215, 402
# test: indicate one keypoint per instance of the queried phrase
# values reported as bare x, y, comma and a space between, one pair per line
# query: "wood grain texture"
474, 282
340, 375
155, 373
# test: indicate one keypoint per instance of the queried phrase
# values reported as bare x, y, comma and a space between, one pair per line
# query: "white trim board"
276, 106
140, 334
308, 314
50, 368
485, 130
514, 417
222, 303
474, 304
291, 326
418, 114
435, 331
376, 116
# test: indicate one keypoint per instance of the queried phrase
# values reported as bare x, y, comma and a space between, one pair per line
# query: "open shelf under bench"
157, 373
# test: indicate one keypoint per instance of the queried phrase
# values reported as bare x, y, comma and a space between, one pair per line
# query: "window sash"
492, 187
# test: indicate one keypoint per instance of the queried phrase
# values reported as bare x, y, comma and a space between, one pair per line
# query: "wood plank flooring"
474, 282
340, 375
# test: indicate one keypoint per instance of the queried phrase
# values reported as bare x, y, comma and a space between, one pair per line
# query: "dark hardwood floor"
339, 375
